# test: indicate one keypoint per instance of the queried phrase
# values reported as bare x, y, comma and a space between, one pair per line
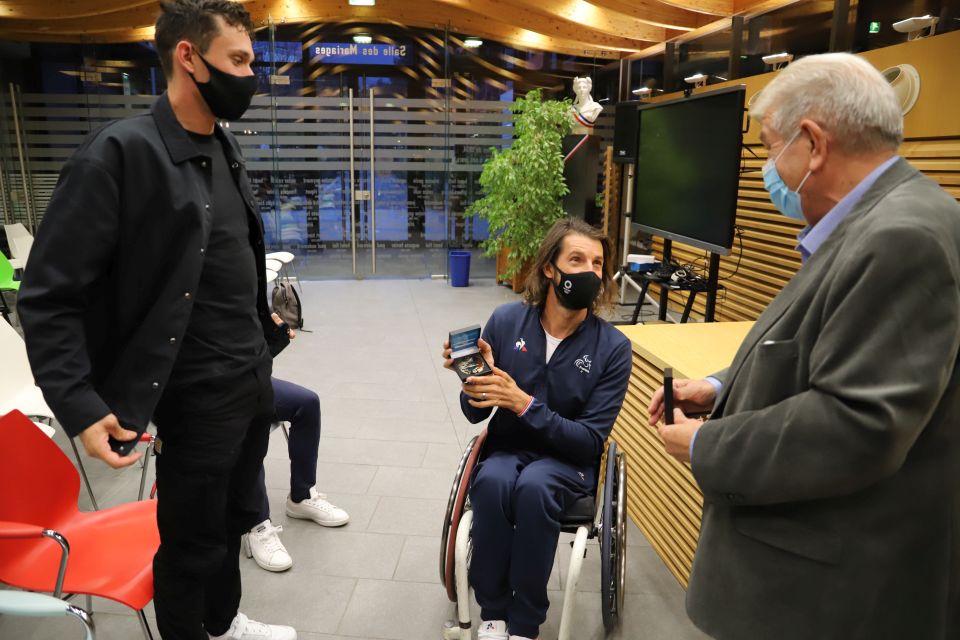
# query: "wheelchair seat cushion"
580, 512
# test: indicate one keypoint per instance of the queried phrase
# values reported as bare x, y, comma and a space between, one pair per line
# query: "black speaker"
626, 123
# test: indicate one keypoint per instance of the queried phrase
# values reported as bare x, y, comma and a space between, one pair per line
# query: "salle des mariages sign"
352, 53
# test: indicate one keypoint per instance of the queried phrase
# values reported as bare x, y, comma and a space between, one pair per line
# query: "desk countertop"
694, 350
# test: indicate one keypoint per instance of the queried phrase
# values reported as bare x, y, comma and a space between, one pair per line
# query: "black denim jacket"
107, 295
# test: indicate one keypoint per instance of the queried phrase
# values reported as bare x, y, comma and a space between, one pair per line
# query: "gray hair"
841, 92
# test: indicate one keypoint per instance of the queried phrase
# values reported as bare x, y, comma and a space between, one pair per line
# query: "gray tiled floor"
392, 435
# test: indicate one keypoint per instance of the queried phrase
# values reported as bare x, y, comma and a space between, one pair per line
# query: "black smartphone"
668, 395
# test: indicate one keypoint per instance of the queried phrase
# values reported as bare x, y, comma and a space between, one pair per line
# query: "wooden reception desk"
662, 496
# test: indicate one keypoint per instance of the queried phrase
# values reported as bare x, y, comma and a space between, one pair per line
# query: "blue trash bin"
460, 268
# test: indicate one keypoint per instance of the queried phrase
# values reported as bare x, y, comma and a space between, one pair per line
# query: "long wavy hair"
538, 284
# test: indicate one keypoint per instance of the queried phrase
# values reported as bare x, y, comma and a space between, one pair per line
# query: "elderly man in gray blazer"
830, 466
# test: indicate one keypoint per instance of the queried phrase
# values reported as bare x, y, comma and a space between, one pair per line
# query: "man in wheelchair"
559, 377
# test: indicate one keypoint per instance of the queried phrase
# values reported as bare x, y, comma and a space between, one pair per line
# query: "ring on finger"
484, 395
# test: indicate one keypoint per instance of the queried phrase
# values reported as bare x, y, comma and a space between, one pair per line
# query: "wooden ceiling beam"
753, 8
59, 9
657, 49
711, 7
656, 13
136, 24
578, 15
750, 8
524, 14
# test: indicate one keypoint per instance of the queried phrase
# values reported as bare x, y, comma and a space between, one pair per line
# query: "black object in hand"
668, 395
124, 448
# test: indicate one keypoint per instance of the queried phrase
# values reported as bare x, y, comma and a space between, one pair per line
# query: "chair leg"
89, 600
144, 625
84, 617
4, 309
83, 474
146, 467
286, 431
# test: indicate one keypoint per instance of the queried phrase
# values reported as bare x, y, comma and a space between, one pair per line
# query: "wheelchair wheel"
613, 537
455, 507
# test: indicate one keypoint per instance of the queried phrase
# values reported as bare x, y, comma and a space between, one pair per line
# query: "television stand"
710, 286
665, 287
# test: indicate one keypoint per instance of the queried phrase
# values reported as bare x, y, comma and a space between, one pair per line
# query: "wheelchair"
603, 516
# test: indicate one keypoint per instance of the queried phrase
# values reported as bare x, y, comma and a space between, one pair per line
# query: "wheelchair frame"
609, 525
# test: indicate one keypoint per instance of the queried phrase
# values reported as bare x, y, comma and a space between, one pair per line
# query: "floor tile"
408, 516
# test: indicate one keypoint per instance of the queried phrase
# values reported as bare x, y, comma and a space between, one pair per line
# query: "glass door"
354, 176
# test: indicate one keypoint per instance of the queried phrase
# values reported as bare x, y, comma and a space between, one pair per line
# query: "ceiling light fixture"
363, 3
473, 43
363, 38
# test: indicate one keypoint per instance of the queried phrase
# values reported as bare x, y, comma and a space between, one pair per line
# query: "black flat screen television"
688, 168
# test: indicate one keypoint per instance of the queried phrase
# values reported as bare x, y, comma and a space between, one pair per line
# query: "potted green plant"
523, 185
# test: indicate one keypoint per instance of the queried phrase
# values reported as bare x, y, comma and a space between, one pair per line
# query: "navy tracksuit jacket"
536, 464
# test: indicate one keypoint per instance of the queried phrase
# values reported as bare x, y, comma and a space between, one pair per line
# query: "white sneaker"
523, 638
243, 628
264, 546
492, 630
317, 508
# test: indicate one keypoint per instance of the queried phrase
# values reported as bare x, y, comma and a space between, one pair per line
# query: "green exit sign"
874, 27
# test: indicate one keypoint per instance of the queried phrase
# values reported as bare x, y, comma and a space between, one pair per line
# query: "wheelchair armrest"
14, 530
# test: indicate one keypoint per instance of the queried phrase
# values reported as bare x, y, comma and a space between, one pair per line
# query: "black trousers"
214, 437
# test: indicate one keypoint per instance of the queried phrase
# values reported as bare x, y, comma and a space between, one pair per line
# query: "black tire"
610, 541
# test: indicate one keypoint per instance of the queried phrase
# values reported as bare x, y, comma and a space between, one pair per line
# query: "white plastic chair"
286, 258
17, 388
20, 247
271, 275
283, 256
17, 237
16, 264
15, 230
40, 605
274, 265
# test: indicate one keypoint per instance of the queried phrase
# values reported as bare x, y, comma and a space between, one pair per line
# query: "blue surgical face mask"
785, 200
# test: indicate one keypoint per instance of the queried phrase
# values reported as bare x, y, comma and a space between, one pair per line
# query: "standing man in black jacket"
146, 298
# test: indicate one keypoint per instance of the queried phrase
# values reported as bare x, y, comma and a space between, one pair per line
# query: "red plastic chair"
106, 553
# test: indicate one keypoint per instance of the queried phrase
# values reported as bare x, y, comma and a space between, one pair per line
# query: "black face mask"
577, 291
227, 95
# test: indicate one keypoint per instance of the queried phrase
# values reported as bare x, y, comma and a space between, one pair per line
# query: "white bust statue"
584, 111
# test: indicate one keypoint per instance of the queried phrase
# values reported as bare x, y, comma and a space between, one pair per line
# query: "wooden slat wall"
662, 497
769, 259
611, 197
